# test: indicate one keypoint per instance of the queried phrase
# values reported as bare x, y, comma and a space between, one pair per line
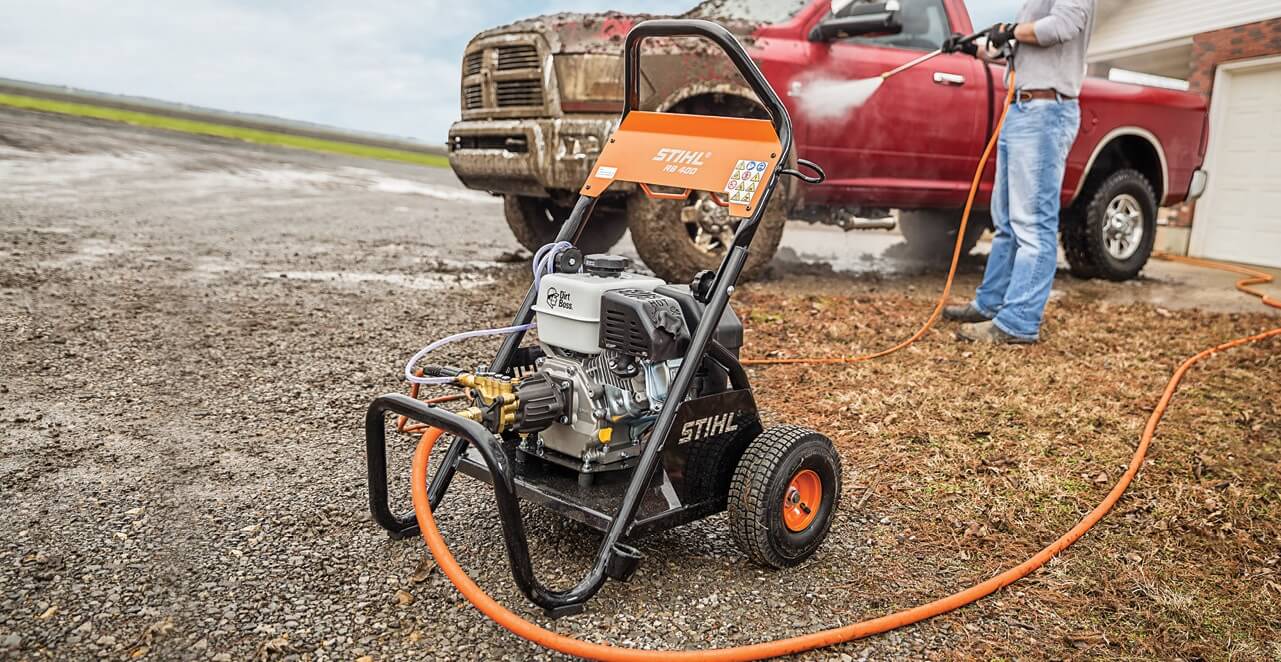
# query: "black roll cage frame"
614, 559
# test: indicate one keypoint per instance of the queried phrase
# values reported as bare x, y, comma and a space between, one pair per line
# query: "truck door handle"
941, 78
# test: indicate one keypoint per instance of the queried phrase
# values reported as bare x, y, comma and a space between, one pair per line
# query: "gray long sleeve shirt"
1063, 29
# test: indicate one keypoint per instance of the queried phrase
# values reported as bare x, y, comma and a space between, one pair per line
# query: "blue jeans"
1030, 161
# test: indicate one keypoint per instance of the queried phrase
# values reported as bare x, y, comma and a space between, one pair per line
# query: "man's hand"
956, 44
1001, 34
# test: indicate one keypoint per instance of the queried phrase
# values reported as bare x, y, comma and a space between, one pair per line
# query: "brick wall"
1209, 50
1243, 42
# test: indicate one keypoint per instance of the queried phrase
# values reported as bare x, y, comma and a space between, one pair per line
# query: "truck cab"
540, 96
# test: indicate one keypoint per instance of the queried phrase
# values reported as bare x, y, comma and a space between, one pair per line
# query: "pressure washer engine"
611, 341
632, 414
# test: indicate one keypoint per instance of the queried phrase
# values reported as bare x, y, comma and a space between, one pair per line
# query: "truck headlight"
578, 147
590, 82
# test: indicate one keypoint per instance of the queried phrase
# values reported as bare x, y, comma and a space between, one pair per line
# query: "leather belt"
1027, 95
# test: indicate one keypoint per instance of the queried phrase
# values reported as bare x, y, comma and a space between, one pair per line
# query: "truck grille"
516, 144
473, 97
473, 62
504, 78
511, 93
517, 57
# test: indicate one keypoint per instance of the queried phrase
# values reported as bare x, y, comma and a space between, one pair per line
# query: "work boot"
989, 332
966, 313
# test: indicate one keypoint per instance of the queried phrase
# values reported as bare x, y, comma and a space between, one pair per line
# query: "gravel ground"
192, 329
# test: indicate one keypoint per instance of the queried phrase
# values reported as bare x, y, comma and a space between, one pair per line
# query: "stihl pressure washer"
632, 414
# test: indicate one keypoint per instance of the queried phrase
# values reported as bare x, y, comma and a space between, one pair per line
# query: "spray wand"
927, 57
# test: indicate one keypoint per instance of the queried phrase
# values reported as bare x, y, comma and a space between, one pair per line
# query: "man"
1049, 44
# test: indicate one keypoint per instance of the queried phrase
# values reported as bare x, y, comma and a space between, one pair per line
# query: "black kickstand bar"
489, 447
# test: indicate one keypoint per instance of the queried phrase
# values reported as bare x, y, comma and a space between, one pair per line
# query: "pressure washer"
633, 412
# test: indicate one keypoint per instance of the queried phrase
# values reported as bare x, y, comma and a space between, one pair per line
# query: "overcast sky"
389, 66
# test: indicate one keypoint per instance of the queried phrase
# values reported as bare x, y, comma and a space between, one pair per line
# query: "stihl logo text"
701, 428
681, 156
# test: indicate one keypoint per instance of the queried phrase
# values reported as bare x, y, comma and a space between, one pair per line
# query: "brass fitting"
496, 401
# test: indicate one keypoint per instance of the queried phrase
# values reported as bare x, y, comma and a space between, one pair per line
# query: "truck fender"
1123, 141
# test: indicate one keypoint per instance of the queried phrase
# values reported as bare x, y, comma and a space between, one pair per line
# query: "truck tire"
1110, 230
676, 244
784, 495
931, 233
536, 221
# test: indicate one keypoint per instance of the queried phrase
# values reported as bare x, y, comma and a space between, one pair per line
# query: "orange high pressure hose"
571, 646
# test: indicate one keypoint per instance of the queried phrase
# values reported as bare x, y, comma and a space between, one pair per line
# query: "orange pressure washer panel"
730, 157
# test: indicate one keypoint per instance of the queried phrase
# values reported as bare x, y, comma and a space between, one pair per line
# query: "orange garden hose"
576, 647
1252, 277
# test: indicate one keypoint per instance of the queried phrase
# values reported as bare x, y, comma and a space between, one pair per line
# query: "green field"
221, 130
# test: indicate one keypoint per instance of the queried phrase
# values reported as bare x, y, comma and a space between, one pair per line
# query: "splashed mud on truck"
541, 96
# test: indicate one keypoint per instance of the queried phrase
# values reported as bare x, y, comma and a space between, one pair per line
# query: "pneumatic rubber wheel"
535, 223
784, 493
1110, 230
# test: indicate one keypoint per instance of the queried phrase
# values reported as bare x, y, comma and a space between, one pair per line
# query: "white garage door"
1240, 217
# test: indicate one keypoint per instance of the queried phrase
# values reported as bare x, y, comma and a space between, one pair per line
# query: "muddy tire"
931, 233
536, 221
1110, 230
676, 249
783, 496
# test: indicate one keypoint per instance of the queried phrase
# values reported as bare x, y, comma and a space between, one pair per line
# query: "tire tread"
1082, 232
749, 490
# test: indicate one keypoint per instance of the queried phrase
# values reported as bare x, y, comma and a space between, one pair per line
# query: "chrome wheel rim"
710, 227
1123, 227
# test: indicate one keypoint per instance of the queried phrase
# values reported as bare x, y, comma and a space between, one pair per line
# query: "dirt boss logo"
701, 428
559, 299
681, 156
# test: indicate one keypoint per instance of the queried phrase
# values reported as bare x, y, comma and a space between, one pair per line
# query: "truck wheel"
1109, 231
931, 233
679, 238
783, 495
536, 221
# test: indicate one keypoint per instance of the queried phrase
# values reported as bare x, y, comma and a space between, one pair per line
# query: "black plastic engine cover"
729, 330
643, 324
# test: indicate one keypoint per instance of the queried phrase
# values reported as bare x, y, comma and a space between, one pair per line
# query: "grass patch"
258, 136
1021, 443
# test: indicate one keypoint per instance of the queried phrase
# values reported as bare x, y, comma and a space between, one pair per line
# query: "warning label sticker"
744, 181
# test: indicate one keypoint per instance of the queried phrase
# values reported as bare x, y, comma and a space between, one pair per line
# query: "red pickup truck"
540, 96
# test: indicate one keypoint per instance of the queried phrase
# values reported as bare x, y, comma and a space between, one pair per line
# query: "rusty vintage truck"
540, 96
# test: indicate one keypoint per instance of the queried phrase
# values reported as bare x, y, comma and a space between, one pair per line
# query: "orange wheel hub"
802, 499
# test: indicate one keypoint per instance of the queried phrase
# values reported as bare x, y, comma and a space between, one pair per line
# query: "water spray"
832, 99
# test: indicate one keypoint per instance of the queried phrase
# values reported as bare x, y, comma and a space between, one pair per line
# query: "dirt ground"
193, 328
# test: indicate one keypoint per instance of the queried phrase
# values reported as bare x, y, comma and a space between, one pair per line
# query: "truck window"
755, 11
925, 27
